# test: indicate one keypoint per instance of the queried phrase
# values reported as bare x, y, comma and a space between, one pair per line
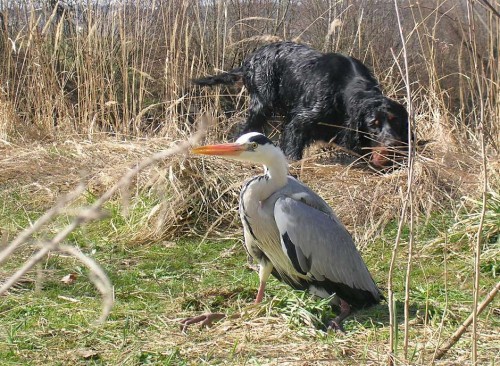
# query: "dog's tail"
226, 78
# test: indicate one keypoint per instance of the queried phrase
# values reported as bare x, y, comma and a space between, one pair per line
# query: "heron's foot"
335, 325
206, 320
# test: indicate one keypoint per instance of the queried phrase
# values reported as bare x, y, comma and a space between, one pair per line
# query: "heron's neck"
276, 177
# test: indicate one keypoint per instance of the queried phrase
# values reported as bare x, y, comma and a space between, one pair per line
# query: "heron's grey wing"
319, 245
300, 192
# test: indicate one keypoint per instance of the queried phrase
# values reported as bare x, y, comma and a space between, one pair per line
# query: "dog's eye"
374, 123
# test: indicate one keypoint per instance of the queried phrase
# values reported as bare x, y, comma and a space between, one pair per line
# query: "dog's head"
384, 132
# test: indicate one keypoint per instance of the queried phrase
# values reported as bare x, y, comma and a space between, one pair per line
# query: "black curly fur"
321, 96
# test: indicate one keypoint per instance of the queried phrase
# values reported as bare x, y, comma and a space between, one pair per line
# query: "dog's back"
269, 61
277, 70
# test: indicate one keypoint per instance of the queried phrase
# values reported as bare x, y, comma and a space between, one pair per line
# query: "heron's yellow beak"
222, 149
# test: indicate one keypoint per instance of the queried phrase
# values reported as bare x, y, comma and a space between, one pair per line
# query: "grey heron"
293, 233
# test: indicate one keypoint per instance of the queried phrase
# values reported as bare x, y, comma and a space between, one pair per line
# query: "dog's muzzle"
384, 156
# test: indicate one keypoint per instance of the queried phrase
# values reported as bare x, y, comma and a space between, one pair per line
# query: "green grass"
156, 284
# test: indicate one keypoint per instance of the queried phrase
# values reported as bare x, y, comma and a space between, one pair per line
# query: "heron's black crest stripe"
292, 253
260, 139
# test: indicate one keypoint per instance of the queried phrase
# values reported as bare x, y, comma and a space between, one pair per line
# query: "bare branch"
489, 6
100, 279
461, 330
408, 199
46, 217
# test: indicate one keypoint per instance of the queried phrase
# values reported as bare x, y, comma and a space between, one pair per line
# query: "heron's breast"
269, 242
259, 222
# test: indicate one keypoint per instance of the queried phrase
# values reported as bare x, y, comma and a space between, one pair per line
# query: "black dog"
322, 97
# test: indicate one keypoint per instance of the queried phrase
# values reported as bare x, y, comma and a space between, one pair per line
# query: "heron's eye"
254, 145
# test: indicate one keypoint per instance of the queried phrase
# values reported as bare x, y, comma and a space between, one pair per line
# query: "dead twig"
100, 279
461, 330
407, 200
45, 218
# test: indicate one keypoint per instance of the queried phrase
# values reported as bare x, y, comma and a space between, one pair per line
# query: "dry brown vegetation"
87, 90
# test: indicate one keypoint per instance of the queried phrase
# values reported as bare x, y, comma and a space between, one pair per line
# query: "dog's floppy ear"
400, 116
353, 131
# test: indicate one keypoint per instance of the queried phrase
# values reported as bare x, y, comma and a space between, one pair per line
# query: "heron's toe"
206, 320
335, 325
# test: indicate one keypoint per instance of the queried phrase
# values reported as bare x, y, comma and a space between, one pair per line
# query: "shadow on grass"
378, 315
300, 308
217, 299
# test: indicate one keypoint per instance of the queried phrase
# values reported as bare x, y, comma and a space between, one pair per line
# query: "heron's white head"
253, 147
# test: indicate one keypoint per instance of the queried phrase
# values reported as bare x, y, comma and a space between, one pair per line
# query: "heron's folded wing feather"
319, 245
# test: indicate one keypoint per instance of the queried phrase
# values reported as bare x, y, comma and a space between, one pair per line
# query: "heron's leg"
260, 293
336, 323
265, 269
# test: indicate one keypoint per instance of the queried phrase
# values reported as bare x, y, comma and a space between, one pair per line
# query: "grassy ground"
46, 321
67, 86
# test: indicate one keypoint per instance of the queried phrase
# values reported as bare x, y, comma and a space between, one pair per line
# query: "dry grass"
269, 340
188, 195
196, 195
